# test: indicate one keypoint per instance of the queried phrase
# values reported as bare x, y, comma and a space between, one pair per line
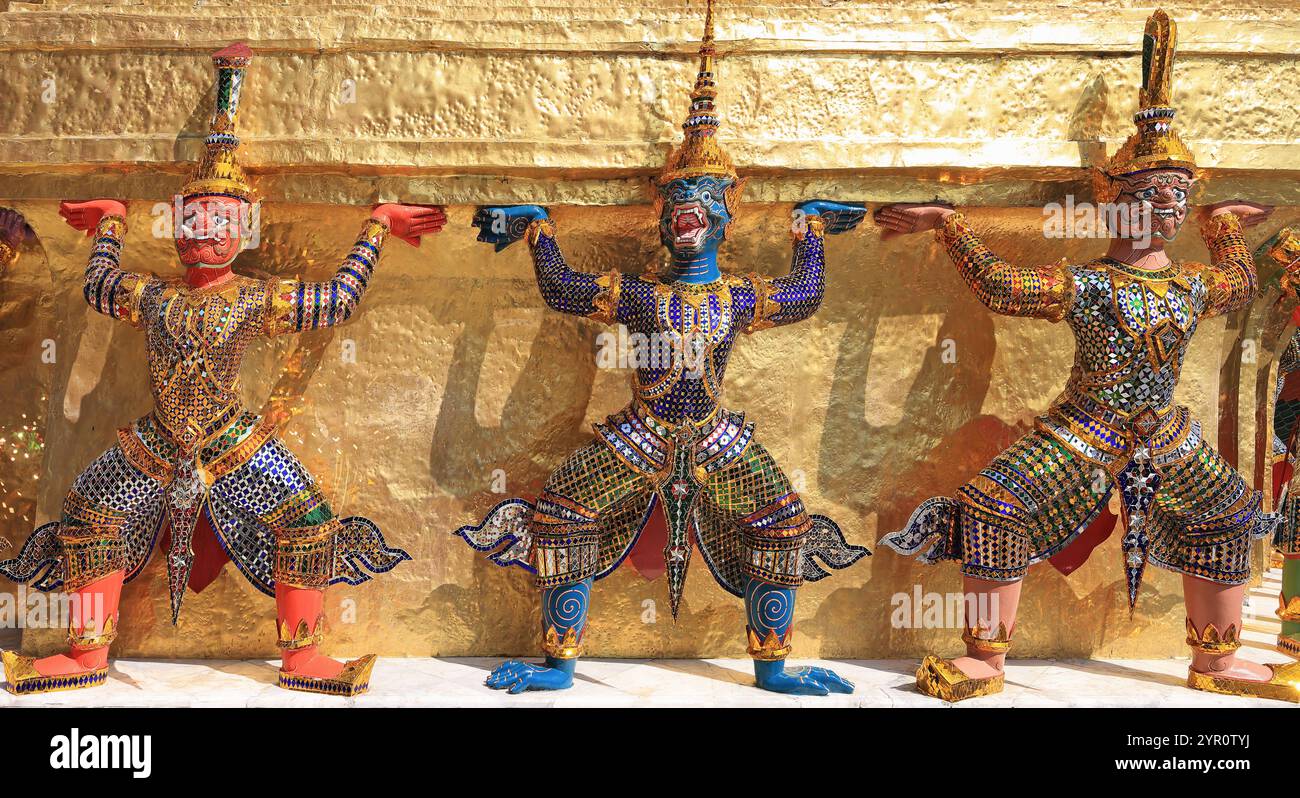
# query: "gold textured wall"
459, 370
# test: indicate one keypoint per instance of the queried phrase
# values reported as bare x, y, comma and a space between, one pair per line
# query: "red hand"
86, 215
409, 222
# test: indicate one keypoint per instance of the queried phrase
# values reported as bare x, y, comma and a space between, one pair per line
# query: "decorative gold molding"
568, 646
86, 638
1288, 609
979, 638
303, 637
769, 648
1211, 641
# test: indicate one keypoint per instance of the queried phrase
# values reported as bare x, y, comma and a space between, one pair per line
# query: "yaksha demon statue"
675, 448
200, 464
1132, 314
1284, 250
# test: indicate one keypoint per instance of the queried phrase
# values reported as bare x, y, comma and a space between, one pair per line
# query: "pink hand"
903, 218
409, 222
86, 215
1250, 213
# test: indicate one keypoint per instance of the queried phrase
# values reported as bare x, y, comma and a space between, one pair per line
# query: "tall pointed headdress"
1155, 145
699, 153
218, 172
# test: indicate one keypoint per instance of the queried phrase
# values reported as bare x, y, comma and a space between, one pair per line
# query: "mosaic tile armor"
1114, 426
199, 451
675, 443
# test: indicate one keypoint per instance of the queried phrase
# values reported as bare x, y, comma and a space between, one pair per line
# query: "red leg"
90, 632
301, 623
93, 627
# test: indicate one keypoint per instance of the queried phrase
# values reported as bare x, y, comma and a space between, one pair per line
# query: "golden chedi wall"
454, 379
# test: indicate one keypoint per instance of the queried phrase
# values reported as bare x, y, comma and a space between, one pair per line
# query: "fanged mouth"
688, 225
1164, 213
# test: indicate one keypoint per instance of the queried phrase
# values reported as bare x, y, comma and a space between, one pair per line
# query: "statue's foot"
517, 676
949, 679
317, 666
1279, 682
320, 674
28, 676
772, 676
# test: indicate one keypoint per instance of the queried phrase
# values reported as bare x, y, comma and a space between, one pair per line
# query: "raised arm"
595, 296
1230, 279
297, 305
108, 288
798, 295
1039, 292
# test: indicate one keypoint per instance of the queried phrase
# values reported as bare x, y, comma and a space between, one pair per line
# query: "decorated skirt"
718, 488
268, 514
1185, 508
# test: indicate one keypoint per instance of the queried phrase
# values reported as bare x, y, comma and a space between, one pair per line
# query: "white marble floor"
458, 682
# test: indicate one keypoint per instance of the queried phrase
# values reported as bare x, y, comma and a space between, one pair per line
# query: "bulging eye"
1180, 194
1146, 194
706, 196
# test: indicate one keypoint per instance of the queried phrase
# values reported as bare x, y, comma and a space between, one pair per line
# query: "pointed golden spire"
218, 171
1158, 43
700, 153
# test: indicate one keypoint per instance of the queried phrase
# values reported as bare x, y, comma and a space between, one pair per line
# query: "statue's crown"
1155, 145
218, 172
700, 153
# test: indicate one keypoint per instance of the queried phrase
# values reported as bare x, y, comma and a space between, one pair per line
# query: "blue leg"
564, 618
769, 609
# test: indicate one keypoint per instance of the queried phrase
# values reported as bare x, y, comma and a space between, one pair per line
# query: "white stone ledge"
458, 682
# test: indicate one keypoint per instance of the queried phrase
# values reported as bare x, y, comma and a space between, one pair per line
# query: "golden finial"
700, 153
218, 171
1158, 43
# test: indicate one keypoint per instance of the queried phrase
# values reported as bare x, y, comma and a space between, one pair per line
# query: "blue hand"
800, 681
503, 225
839, 217
518, 676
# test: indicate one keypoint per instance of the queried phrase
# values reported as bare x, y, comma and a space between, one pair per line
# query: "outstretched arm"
297, 305
108, 289
567, 290
1039, 292
1230, 278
